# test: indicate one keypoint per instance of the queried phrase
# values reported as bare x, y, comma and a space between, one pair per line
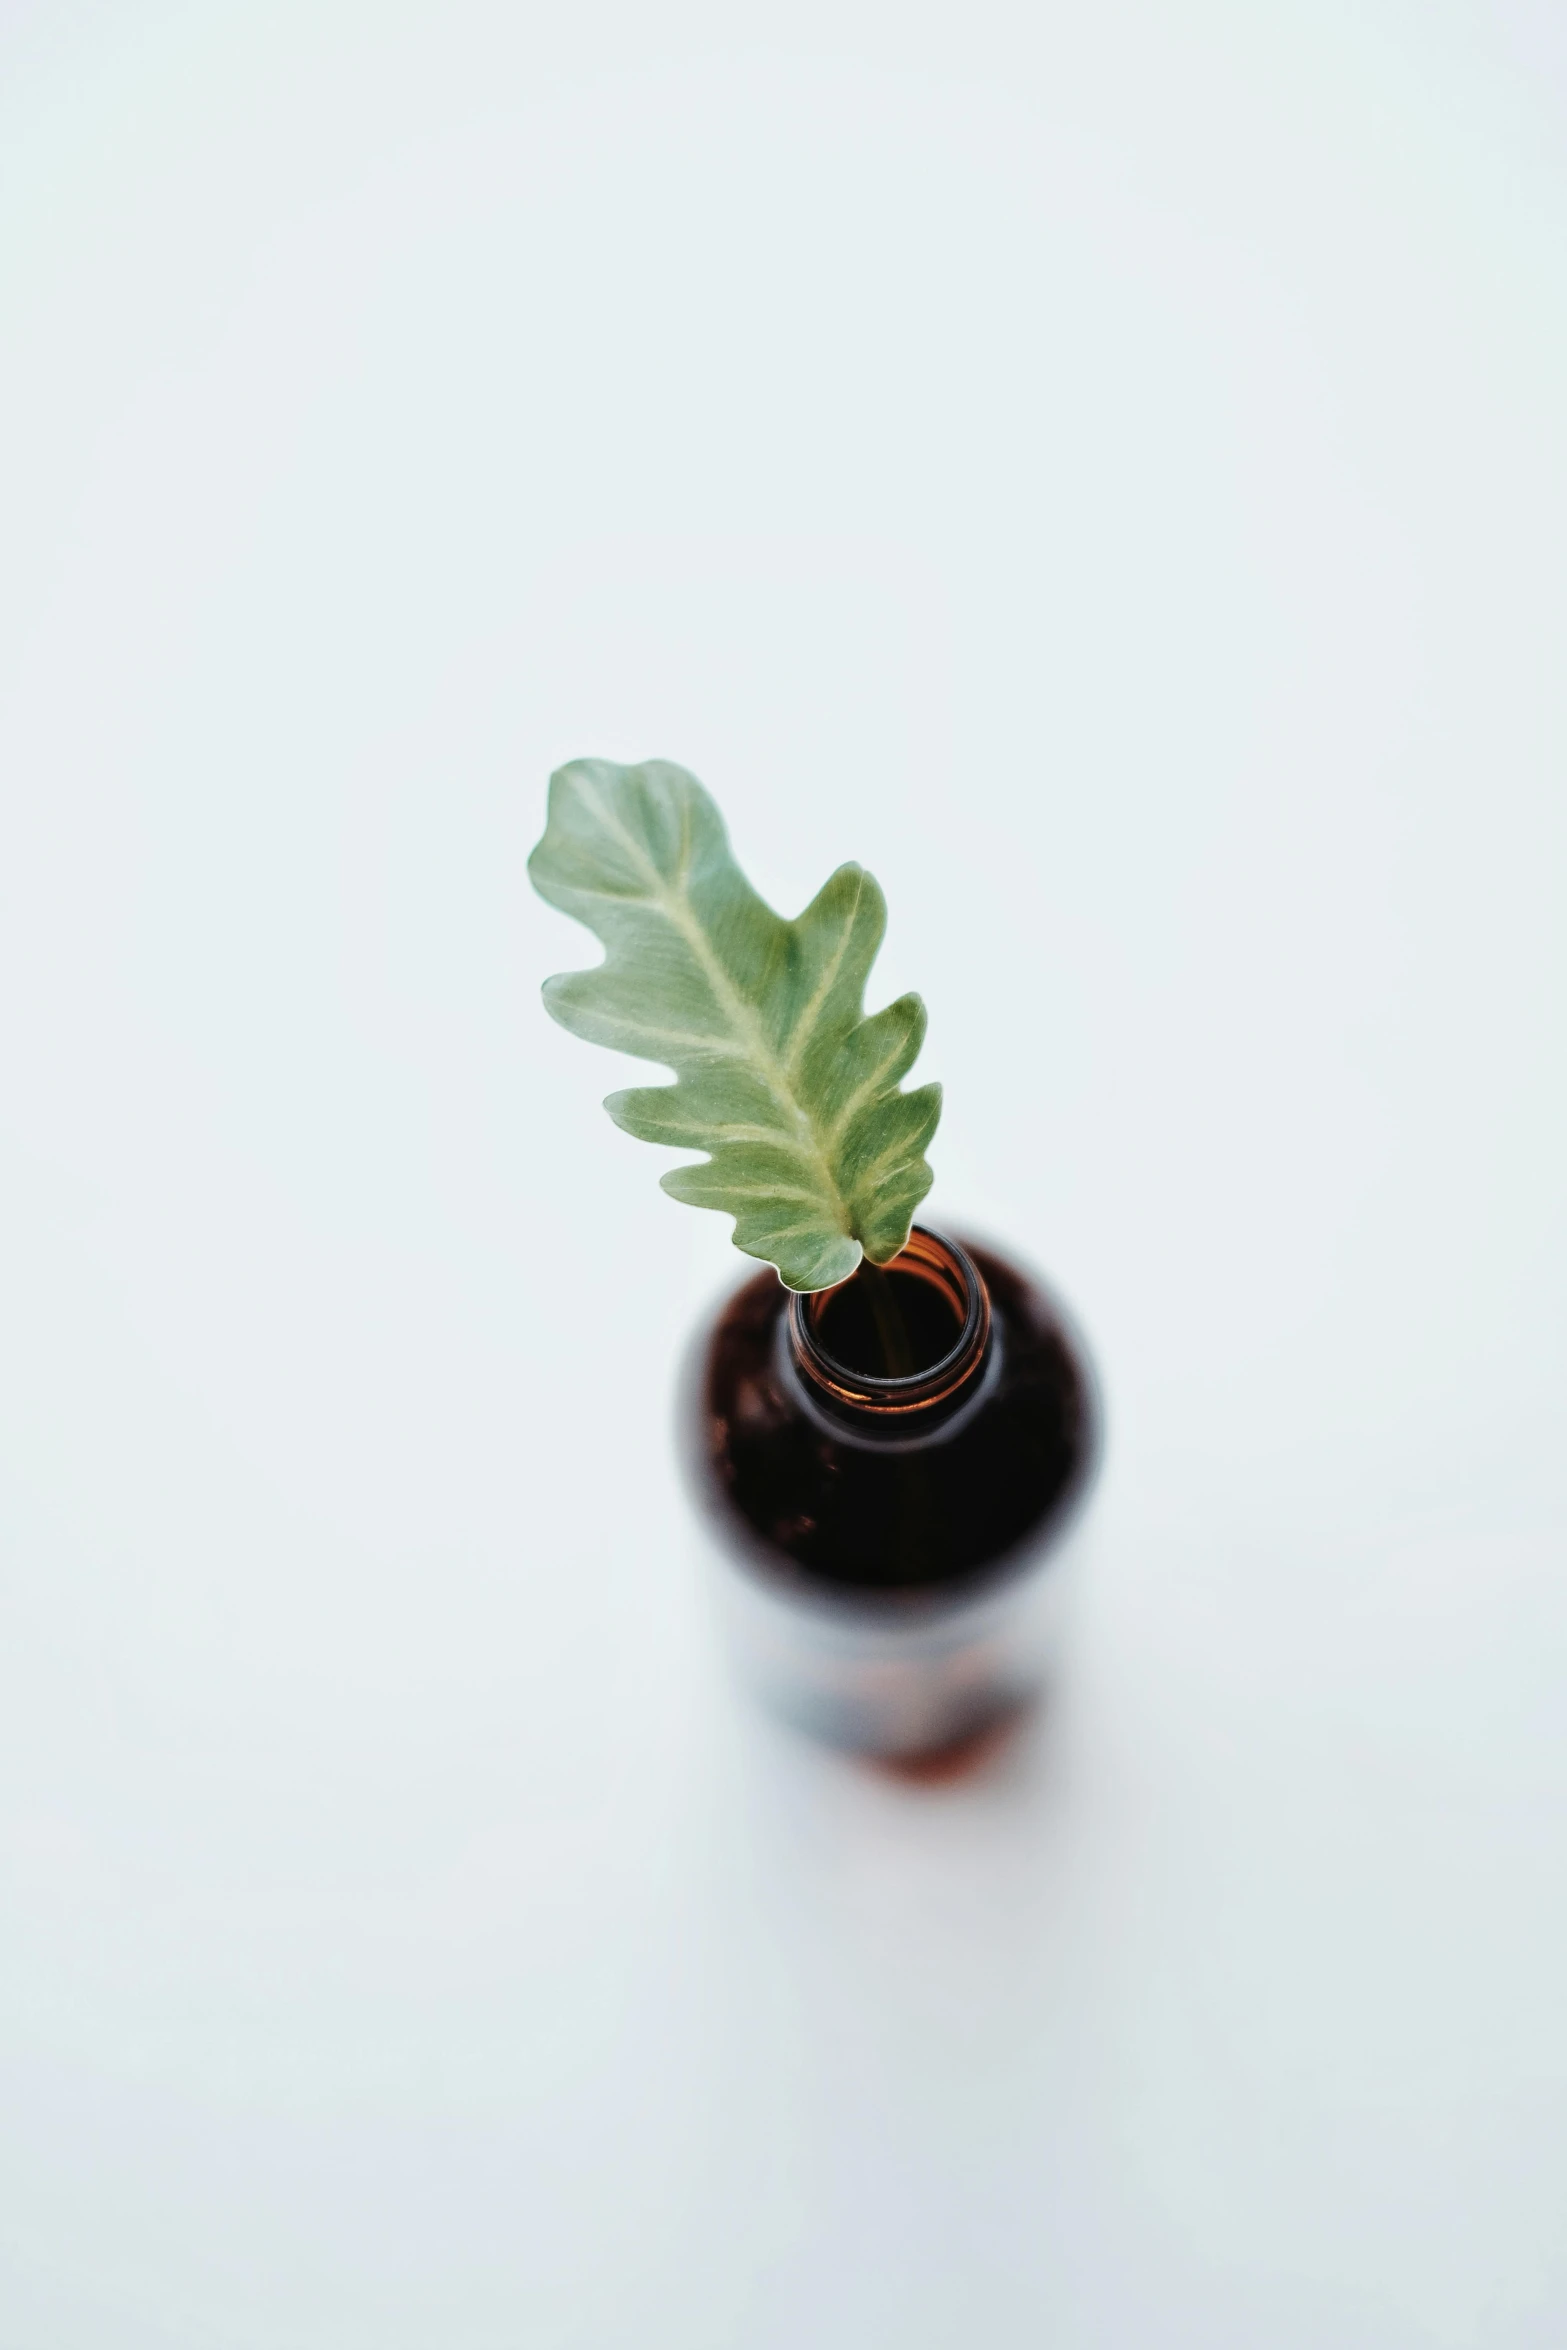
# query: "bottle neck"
895, 1352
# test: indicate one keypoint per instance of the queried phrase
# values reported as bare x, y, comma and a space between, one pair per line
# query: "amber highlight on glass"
891, 1468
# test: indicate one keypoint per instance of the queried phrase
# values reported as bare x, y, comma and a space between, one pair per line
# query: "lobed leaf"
780, 1076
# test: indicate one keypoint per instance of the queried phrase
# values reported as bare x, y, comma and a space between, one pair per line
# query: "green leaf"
781, 1078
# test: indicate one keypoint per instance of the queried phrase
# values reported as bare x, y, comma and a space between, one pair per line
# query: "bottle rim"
945, 1266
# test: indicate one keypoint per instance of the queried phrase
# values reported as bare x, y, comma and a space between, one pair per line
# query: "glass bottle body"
894, 1474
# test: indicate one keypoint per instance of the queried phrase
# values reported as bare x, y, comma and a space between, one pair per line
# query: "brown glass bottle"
887, 1466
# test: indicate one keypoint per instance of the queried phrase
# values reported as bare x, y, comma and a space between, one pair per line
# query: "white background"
1106, 468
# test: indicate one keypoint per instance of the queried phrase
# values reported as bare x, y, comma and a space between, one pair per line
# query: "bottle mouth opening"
898, 1337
